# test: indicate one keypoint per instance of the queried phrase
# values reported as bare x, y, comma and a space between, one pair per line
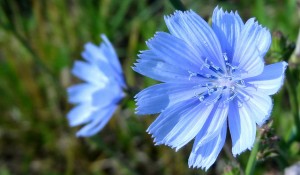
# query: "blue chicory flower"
97, 98
212, 78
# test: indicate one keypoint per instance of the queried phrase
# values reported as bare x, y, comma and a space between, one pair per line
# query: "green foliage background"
39, 40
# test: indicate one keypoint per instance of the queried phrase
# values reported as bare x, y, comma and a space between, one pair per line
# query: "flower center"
225, 82
219, 83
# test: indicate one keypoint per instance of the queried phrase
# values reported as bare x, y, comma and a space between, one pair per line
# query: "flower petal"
161, 96
205, 155
81, 92
100, 118
80, 114
105, 58
174, 51
157, 68
242, 127
260, 106
110, 54
160, 71
263, 40
112, 57
227, 27
214, 123
180, 123
191, 28
92, 53
247, 57
89, 72
110, 94
270, 80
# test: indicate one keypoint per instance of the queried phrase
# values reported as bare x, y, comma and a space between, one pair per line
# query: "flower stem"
252, 160
177, 4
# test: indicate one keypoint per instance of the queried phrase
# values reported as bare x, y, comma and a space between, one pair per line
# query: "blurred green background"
39, 41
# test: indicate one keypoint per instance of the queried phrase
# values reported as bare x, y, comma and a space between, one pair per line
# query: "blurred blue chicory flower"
212, 78
98, 97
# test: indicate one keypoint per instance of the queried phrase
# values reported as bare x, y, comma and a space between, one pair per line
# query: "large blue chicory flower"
97, 98
213, 77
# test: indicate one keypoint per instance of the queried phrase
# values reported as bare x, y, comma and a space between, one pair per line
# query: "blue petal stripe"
247, 57
191, 28
214, 123
242, 127
160, 71
263, 40
180, 123
205, 155
227, 27
270, 80
156, 98
175, 51
260, 106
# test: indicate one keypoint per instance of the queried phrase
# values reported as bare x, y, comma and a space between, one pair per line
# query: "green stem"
291, 88
252, 160
177, 4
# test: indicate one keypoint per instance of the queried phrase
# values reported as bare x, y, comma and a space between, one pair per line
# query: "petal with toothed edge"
227, 26
80, 92
101, 117
205, 155
156, 98
263, 40
242, 127
214, 123
89, 72
270, 80
161, 71
80, 114
174, 51
259, 105
246, 56
180, 123
191, 28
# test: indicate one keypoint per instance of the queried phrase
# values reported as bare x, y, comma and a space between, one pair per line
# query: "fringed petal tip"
284, 66
271, 79
196, 164
237, 152
157, 143
219, 11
